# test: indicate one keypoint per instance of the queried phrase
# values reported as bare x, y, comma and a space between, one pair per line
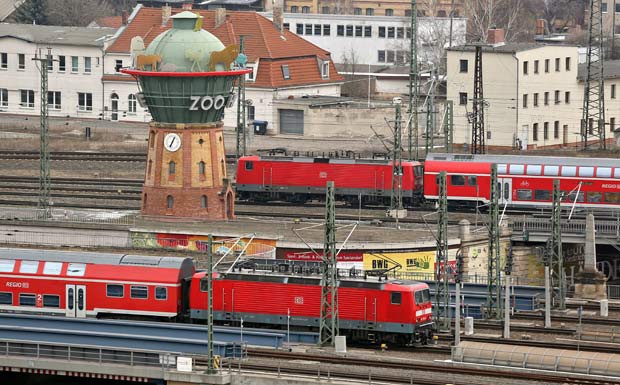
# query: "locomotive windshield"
422, 296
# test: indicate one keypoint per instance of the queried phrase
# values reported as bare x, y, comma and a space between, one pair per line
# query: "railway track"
569, 319
276, 359
84, 156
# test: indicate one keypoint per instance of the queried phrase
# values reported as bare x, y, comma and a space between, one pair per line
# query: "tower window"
172, 167
203, 201
170, 201
201, 168
148, 172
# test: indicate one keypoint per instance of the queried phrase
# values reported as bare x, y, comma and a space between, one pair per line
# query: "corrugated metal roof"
49, 34
7, 7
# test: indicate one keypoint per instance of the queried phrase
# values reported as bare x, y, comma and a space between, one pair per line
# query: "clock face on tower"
172, 142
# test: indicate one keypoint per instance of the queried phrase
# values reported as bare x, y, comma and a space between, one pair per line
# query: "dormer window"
252, 75
325, 69
285, 72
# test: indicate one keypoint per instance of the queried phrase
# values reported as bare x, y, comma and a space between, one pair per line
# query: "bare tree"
77, 12
516, 17
560, 14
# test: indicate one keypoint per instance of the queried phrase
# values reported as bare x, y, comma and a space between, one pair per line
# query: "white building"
533, 94
376, 40
74, 74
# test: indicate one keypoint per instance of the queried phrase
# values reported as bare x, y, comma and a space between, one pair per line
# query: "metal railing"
606, 228
58, 215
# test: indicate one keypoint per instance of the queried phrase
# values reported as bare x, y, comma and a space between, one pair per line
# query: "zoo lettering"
206, 102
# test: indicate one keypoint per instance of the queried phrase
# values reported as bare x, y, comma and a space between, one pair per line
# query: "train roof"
316, 281
525, 159
184, 264
301, 159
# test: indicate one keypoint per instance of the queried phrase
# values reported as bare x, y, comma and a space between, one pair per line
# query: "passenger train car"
298, 179
525, 181
80, 285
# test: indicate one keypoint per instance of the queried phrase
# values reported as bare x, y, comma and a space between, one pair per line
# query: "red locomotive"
397, 312
76, 284
525, 181
297, 179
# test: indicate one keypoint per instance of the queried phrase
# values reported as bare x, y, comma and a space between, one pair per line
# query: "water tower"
186, 78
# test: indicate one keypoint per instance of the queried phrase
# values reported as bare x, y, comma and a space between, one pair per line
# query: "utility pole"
241, 112
329, 326
593, 117
448, 126
558, 276
494, 284
507, 272
44, 153
477, 122
458, 278
412, 110
210, 362
430, 115
396, 196
442, 291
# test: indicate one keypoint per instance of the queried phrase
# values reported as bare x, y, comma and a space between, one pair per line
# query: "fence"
604, 228
126, 218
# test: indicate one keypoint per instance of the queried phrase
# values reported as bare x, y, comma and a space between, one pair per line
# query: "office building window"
535, 132
557, 64
305, 9
4, 60
349, 30
567, 64
546, 130
546, 65
75, 66
556, 129
525, 67
390, 57
557, 97
381, 56
357, 11
54, 100
370, 11
294, 9
299, 28
381, 31
367, 31
567, 97
463, 98
536, 100
546, 98
524, 100
613, 91
21, 61
358, 31
50, 63
340, 30
463, 65
389, 12
535, 66
4, 97
85, 101
325, 10
87, 64
327, 30
132, 103
308, 30
27, 98
390, 32
62, 63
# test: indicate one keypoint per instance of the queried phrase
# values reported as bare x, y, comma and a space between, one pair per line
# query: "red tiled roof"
262, 41
110, 21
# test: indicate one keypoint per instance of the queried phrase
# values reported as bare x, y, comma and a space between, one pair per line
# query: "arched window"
389, 12
170, 201
441, 13
172, 168
203, 201
132, 103
201, 168
294, 9
305, 9
148, 171
223, 168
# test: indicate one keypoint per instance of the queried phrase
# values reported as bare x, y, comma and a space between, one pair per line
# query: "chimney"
187, 6
124, 17
278, 17
166, 12
540, 27
495, 37
220, 16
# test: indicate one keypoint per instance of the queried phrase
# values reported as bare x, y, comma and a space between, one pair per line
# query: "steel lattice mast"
329, 325
412, 108
44, 153
477, 124
448, 126
442, 290
430, 116
494, 284
396, 197
211, 361
241, 112
593, 118
558, 277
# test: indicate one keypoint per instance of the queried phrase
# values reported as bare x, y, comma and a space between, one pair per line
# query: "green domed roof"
184, 48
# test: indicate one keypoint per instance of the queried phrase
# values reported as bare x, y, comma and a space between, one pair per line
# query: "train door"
504, 186
75, 300
370, 312
267, 178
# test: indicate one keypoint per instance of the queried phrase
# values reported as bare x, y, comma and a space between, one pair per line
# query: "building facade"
533, 95
439, 8
74, 71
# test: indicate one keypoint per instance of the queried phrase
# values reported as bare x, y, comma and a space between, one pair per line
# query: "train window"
586, 171
542, 195
161, 293
396, 298
569, 171
457, 180
603, 172
612, 197
534, 169
506, 191
617, 173
29, 267
80, 299
419, 297
552, 170
116, 291
71, 298
594, 196
472, 180
140, 292
517, 169
52, 268
249, 165
51, 300
418, 170
6, 298
524, 195
76, 269
7, 265
572, 195
502, 169
27, 300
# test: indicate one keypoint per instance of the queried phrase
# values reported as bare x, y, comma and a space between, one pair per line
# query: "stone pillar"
590, 283
464, 230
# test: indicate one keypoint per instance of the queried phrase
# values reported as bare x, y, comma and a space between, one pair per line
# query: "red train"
525, 181
76, 284
298, 179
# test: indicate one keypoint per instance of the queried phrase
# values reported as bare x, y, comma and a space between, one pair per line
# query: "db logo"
323, 174
299, 300
525, 183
